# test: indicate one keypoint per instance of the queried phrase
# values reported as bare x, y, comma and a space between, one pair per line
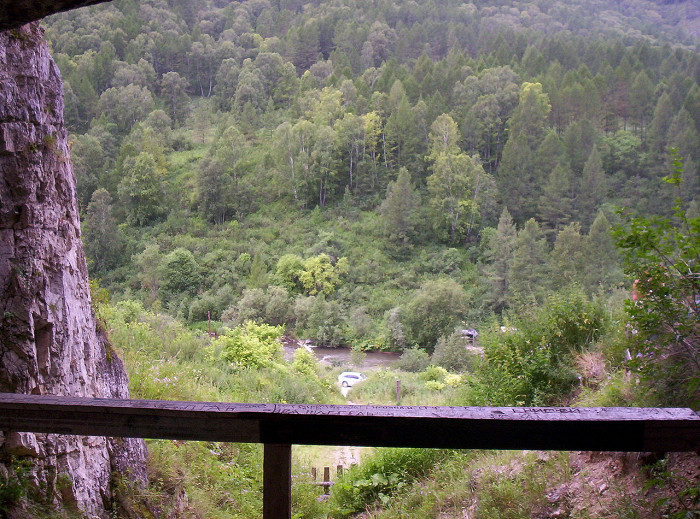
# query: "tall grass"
167, 361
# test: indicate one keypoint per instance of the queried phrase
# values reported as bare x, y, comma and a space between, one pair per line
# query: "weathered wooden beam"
535, 428
277, 481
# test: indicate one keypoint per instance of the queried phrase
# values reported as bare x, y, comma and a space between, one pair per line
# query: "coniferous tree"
683, 135
101, 235
660, 123
556, 208
641, 96
500, 255
528, 270
568, 258
519, 183
602, 258
399, 209
593, 187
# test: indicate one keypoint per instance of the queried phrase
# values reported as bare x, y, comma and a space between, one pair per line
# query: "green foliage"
282, 154
180, 272
320, 276
379, 478
413, 360
141, 188
433, 311
313, 276
305, 363
663, 256
679, 503
533, 365
13, 483
250, 345
451, 353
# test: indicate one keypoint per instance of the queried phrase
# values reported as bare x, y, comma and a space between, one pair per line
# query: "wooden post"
313, 473
398, 392
326, 479
277, 481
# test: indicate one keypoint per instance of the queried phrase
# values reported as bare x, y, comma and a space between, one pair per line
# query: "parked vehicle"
350, 378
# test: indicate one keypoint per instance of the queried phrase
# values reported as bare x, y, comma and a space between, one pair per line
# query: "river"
343, 357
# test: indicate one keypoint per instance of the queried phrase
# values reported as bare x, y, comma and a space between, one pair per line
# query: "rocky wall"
50, 342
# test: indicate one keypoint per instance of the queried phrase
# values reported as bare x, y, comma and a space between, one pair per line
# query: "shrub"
387, 472
434, 374
305, 362
433, 311
534, 365
413, 360
662, 255
451, 353
250, 345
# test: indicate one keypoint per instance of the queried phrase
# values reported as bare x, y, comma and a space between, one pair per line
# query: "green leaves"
662, 255
250, 345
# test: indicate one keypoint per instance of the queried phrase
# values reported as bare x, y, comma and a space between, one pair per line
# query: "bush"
380, 476
451, 353
662, 255
534, 365
434, 311
305, 362
250, 345
413, 360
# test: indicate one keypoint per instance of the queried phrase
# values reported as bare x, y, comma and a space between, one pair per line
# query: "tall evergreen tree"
399, 209
603, 258
528, 270
518, 181
568, 258
660, 123
500, 255
556, 208
593, 187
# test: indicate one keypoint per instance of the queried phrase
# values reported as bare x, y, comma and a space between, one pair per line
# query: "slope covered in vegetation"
379, 175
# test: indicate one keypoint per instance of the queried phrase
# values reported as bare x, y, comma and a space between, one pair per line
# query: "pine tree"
683, 135
641, 95
517, 178
528, 270
556, 207
399, 209
660, 123
500, 255
592, 189
568, 258
602, 259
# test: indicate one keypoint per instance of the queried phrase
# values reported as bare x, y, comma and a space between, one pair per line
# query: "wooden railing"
279, 426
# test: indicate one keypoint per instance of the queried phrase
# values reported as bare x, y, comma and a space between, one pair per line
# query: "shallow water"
341, 357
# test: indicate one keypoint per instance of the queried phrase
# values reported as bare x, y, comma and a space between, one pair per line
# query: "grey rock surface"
50, 341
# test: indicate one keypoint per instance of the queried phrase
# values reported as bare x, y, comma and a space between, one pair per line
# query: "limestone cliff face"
49, 338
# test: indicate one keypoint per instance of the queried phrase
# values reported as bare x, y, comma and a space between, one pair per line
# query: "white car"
350, 378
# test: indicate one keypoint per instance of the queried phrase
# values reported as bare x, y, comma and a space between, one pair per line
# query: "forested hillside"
386, 175
374, 174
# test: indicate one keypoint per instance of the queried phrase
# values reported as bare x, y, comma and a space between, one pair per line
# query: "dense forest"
374, 174
382, 175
